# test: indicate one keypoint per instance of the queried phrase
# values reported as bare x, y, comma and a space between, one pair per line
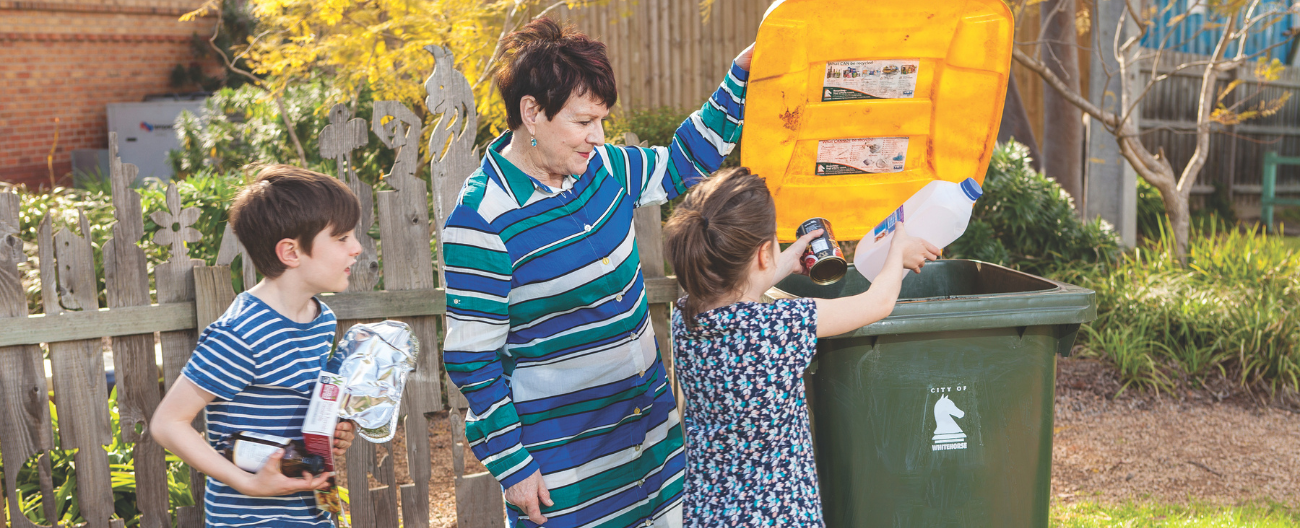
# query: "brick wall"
67, 60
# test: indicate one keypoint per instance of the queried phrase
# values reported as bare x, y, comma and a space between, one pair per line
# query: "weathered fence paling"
126, 277
26, 407
663, 52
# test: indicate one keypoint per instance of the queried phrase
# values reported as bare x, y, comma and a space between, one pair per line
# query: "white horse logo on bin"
947, 435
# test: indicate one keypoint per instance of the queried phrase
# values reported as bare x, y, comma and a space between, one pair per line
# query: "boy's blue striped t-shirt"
261, 366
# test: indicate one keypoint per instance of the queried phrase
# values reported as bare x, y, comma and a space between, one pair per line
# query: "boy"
254, 368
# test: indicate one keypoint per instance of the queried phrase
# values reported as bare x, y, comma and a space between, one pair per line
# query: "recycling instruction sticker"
861, 156
870, 79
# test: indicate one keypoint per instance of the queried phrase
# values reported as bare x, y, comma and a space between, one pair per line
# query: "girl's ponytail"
713, 234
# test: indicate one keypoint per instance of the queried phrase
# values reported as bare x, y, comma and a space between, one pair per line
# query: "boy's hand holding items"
367, 392
364, 399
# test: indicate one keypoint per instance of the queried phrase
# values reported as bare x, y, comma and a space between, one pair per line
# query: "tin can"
822, 259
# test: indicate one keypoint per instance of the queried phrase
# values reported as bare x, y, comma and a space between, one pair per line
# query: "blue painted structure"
1188, 36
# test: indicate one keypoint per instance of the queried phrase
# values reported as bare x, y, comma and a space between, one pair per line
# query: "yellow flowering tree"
379, 45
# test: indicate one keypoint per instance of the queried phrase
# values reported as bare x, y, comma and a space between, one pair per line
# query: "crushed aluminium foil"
378, 358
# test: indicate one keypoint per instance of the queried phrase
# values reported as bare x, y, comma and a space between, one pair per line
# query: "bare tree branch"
1136, 13
1203, 109
1245, 28
1055, 82
255, 81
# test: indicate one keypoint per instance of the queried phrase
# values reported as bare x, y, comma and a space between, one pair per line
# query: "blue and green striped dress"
549, 336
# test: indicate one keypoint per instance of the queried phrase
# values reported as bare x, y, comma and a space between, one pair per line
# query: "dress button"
457, 301
640, 482
619, 298
586, 227
605, 261
641, 374
637, 411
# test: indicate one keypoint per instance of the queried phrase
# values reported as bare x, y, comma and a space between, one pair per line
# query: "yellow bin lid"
853, 105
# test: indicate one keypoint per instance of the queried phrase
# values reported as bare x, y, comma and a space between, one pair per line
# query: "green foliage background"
122, 474
1027, 221
241, 128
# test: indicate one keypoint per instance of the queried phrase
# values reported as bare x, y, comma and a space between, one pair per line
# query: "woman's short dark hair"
290, 202
552, 63
715, 232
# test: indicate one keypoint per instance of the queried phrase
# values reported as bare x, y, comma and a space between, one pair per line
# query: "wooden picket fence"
666, 53
188, 295
1236, 157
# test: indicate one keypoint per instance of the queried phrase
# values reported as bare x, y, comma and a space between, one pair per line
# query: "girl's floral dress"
748, 448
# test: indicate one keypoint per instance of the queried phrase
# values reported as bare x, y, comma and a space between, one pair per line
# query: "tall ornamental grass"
1232, 310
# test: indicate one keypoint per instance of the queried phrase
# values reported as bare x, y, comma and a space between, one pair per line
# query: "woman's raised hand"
745, 58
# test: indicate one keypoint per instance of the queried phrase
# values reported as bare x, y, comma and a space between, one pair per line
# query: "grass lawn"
1291, 242
1264, 514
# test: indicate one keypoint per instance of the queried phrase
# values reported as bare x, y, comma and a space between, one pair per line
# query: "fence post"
175, 283
479, 502
408, 265
1269, 189
449, 96
126, 277
79, 383
337, 141
648, 223
26, 407
1110, 182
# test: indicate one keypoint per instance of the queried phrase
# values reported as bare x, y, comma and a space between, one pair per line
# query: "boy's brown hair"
714, 233
290, 202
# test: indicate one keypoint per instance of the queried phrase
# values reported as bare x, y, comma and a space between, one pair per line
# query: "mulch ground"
1212, 445
1215, 445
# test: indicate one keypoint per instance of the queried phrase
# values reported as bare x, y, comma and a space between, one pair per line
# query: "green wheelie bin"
940, 415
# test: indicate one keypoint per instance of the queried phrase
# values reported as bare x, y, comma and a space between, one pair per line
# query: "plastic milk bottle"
938, 214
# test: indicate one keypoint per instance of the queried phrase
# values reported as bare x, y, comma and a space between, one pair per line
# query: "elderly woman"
548, 335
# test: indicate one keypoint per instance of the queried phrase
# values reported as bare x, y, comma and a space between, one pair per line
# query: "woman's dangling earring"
533, 142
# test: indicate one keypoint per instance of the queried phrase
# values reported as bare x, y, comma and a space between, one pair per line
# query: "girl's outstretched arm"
837, 316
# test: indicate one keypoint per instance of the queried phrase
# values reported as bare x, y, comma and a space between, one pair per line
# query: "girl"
741, 361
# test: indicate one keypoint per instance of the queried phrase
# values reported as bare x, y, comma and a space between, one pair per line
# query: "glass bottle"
249, 451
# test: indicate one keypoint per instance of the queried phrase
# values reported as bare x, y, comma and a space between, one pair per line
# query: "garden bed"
1211, 445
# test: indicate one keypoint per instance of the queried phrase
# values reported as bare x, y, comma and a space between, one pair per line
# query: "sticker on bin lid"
870, 79
836, 157
951, 420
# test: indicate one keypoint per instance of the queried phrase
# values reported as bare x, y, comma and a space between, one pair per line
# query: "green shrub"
1026, 221
240, 127
209, 191
1150, 211
1231, 311
122, 472
655, 126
